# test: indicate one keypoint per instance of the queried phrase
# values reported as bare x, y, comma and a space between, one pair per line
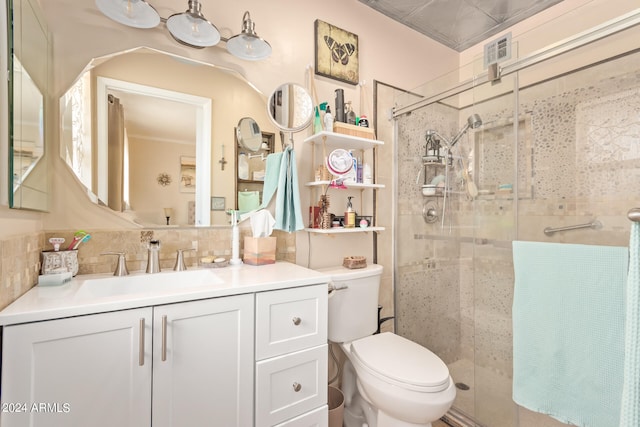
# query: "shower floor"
488, 400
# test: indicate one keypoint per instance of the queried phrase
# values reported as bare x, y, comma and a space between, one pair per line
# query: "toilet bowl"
388, 380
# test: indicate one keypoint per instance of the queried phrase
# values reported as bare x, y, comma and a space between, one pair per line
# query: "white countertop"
72, 299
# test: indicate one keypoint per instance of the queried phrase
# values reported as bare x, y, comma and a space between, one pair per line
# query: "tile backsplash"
207, 242
20, 265
21, 254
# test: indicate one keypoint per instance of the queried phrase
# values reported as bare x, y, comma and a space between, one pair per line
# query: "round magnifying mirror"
290, 107
248, 134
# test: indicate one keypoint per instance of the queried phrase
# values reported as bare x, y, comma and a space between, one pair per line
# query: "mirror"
175, 129
290, 107
248, 134
28, 74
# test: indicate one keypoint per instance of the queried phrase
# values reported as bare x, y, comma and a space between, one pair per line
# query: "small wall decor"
217, 203
187, 174
336, 53
164, 179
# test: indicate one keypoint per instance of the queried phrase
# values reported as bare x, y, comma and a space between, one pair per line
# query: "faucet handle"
180, 265
121, 266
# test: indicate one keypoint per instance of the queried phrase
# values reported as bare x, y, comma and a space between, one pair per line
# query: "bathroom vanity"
236, 346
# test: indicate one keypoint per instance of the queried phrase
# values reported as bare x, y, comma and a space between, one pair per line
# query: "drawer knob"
296, 321
297, 387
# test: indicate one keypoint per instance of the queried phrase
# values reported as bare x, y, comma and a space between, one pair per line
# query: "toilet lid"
402, 361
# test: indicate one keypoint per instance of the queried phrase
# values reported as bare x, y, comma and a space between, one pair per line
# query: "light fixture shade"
192, 28
134, 13
248, 45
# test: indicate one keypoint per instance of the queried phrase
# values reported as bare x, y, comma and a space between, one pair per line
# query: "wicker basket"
354, 262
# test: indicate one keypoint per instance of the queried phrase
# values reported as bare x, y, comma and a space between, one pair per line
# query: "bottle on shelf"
243, 166
328, 120
351, 115
349, 215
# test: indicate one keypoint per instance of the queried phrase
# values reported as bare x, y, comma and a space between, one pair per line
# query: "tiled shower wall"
578, 159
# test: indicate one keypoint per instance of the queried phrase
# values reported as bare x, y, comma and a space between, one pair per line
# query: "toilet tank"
353, 305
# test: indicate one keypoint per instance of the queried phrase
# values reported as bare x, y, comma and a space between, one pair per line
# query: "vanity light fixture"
248, 45
134, 13
190, 27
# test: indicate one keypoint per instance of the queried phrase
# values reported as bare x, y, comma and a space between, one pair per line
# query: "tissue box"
259, 250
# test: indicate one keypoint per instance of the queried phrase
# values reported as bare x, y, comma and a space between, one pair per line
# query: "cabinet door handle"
164, 338
297, 387
141, 343
296, 321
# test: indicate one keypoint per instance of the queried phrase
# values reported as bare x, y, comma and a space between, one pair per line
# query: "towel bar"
595, 224
634, 214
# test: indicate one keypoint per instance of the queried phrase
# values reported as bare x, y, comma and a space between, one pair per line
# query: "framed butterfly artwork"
336, 53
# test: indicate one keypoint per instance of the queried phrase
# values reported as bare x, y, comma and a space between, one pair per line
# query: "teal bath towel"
281, 176
568, 331
630, 409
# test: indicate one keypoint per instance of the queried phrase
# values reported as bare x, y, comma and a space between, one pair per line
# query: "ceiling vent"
497, 50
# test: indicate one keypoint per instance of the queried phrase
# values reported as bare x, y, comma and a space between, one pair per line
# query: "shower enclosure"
559, 145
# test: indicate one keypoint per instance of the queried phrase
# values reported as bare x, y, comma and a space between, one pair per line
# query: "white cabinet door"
84, 371
203, 363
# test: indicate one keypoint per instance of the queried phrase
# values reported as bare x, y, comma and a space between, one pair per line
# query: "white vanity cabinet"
291, 357
98, 368
252, 359
82, 371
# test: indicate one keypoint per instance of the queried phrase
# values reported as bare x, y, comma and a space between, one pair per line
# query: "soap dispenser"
349, 215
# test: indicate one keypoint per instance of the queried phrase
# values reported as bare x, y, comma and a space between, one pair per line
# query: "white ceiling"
459, 24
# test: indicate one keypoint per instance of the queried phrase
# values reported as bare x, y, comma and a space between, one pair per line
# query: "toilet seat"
401, 362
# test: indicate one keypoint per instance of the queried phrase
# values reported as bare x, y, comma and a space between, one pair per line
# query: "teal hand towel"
568, 331
271, 177
281, 178
248, 200
630, 409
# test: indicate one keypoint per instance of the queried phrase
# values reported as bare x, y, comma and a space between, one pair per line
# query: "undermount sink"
141, 283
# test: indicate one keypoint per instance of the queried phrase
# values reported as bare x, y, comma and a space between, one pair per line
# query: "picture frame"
187, 174
336, 53
217, 203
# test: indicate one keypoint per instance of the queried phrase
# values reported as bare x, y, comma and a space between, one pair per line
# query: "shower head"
474, 121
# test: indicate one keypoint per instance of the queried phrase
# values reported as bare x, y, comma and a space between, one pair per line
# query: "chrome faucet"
180, 265
153, 260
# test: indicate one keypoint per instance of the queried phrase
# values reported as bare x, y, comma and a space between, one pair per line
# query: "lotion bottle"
349, 215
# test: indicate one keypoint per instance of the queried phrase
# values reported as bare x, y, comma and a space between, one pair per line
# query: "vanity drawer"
290, 319
290, 385
316, 418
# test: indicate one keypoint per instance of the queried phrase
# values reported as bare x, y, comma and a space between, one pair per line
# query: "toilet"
387, 380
